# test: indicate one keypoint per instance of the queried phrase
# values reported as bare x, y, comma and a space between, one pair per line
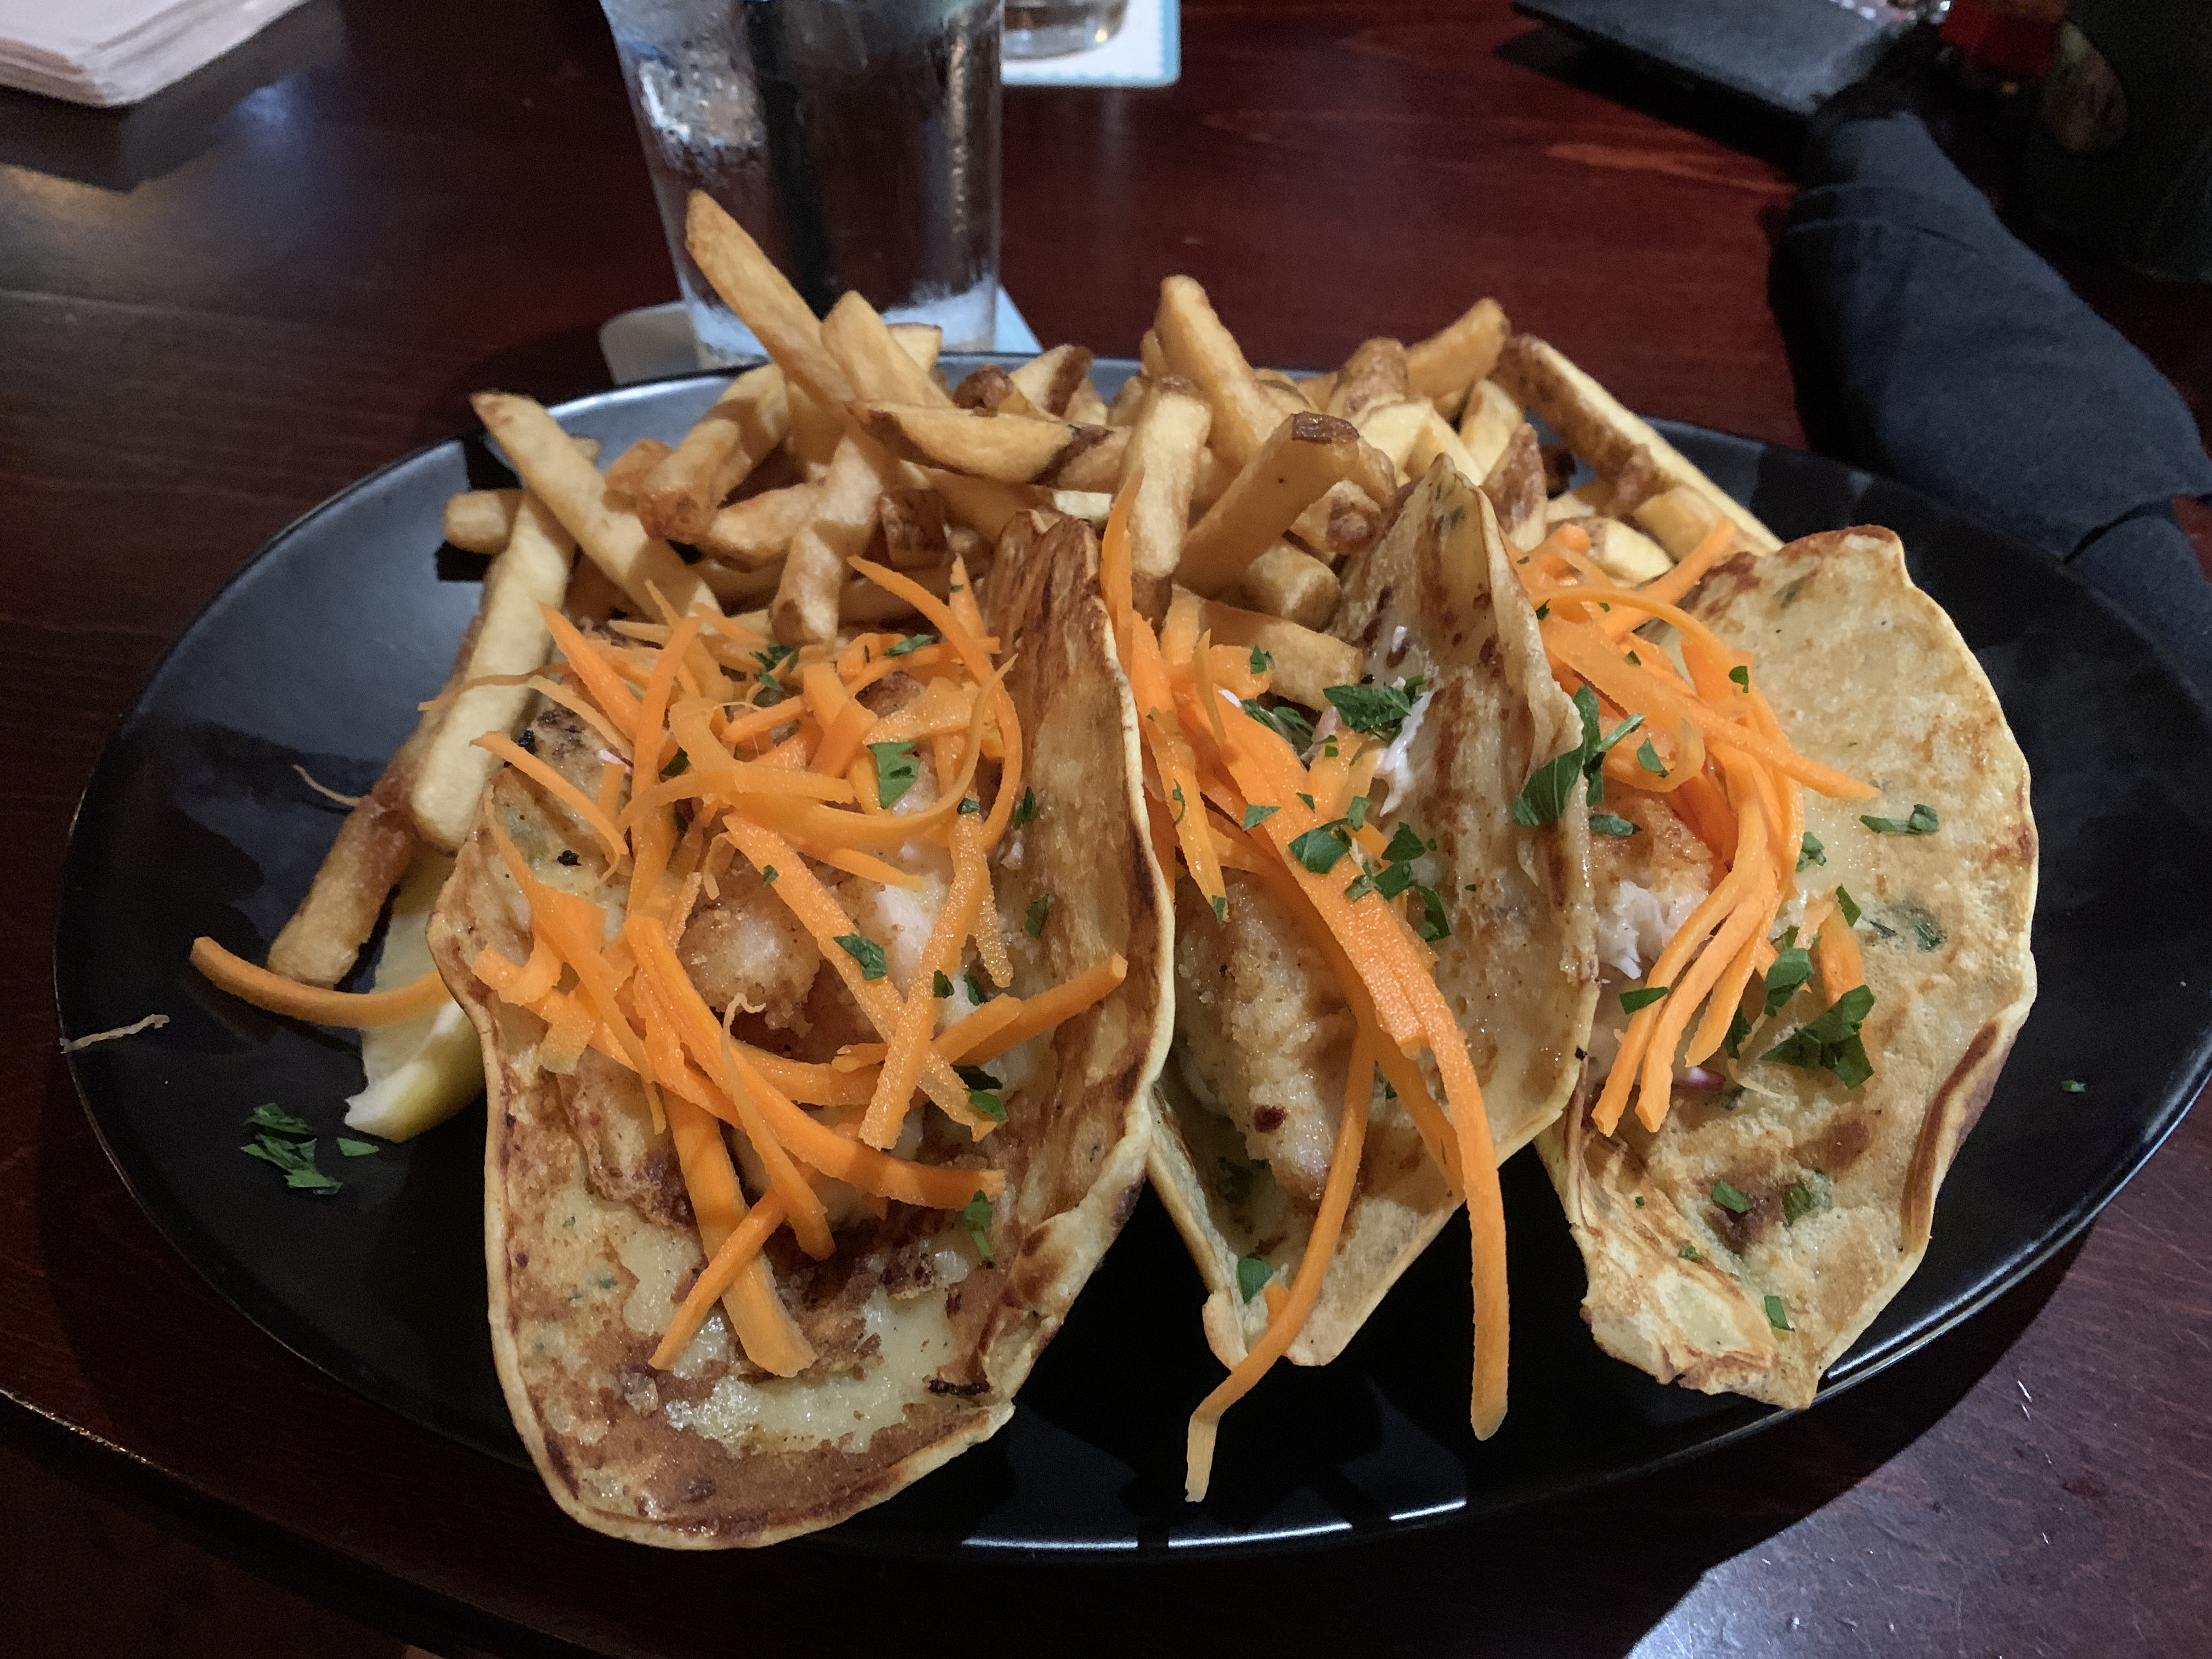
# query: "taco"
744, 1279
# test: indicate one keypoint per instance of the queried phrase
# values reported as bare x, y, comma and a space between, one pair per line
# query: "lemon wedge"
419, 1072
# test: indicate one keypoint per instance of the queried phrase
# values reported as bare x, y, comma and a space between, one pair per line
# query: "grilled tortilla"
1866, 674
1248, 1111
921, 1341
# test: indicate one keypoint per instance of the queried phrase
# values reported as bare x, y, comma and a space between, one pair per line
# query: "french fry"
804, 612
1375, 373
1319, 389
510, 638
1195, 344
1515, 484
1624, 553
1214, 475
1393, 428
1282, 391
738, 589
1597, 428
480, 520
875, 363
1151, 357
1678, 520
1091, 505
1305, 662
572, 490
991, 387
1491, 414
919, 341
592, 595
1014, 449
1085, 407
627, 476
816, 429
1168, 443
1436, 437
1344, 522
982, 505
1304, 456
1288, 582
753, 416
1455, 356
1051, 379
861, 600
1095, 468
1128, 401
757, 531
373, 848
751, 286
911, 522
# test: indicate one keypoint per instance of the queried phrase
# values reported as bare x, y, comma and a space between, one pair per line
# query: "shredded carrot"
908, 1039
574, 800
279, 995
594, 670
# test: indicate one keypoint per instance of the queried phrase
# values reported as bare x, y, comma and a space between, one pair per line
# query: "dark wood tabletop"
220, 309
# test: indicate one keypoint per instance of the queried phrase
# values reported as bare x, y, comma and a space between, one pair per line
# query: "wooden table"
217, 311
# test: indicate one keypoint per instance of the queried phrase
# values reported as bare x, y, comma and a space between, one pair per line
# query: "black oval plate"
195, 822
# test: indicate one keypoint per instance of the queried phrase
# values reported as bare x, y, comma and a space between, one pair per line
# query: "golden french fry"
1091, 505
1128, 401
1151, 360
1282, 391
737, 588
1050, 379
804, 612
1599, 430
1515, 484
1678, 520
754, 533
1288, 582
919, 341
1393, 428
592, 595
876, 365
1343, 522
630, 469
375, 845
1304, 456
910, 524
510, 638
1097, 466
1169, 443
861, 600
573, 489
1214, 475
1491, 415
1085, 407
991, 387
751, 286
1435, 437
1455, 356
480, 520
1011, 449
677, 500
983, 506
1305, 662
1196, 346
1375, 373
816, 429
1625, 553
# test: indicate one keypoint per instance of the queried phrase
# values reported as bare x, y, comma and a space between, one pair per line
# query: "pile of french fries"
1251, 489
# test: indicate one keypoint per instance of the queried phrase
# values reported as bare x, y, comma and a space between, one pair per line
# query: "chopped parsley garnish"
281, 1123
678, 767
1362, 885
1393, 880
969, 806
1252, 1276
1925, 930
911, 642
1635, 661
1432, 924
1307, 798
1221, 907
351, 1148
1232, 1180
1632, 1000
1256, 816
1285, 722
1026, 808
975, 1217
1543, 611
1639, 1200
1791, 969
1729, 1199
1921, 821
1552, 786
1848, 906
1261, 662
768, 874
1739, 1029
1605, 823
865, 951
1742, 676
287, 1143
1378, 710
1181, 805
1810, 851
1319, 848
1831, 1042
2074, 1086
978, 992
1033, 918
773, 658
982, 1091
1405, 845
1778, 1315
1802, 1200
940, 986
1355, 812
1648, 758
1689, 1252
897, 770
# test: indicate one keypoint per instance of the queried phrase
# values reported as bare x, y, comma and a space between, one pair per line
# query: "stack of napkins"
117, 51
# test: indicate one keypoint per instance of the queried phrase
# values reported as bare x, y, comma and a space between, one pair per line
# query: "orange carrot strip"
593, 670
585, 710
763, 1326
908, 1039
738, 1260
1673, 587
1045, 1012
522, 984
279, 995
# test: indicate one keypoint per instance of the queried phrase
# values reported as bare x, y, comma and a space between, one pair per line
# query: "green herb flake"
1252, 1276
1729, 1199
1033, 919
1405, 845
911, 642
1739, 1029
2074, 1086
1742, 676
678, 767
1632, 1000
1221, 907
1925, 930
281, 1123
1810, 851
978, 992
1393, 880
1648, 758
351, 1148
1355, 812
1261, 662
287, 1144
1307, 798
1639, 1200
1285, 722
975, 1217
1635, 661
1543, 611
1432, 923
1605, 823
940, 986
768, 874
1792, 967
1778, 1315
1361, 886
1232, 1180
1552, 786
897, 770
1319, 848
1689, 1252
1831, 1042
1805, 1197
773, 658
1256, 816
1378, 710
1026, 808
866, 952
1921, 821
1848, 906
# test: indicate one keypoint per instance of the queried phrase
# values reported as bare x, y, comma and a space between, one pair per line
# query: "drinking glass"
1054, 29
856, 140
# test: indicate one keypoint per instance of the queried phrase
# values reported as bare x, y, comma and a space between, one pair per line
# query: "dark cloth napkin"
1960, 362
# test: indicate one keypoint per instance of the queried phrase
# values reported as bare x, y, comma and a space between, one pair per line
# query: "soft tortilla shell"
1436, 597
594, 1418
1868, 674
